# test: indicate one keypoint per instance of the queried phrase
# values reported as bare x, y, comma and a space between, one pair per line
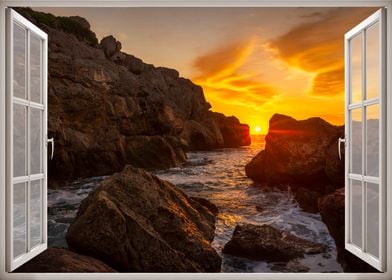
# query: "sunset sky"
251, 62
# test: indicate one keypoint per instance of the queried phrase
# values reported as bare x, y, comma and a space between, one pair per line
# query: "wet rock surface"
302, 155
296, 153
137, 222
264, 242
63, 260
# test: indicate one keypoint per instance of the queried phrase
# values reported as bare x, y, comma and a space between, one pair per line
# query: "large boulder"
110, 46
137, 222
103, 101
63, 260
234, 133
332, 213
295, 152
302, 155
264, 242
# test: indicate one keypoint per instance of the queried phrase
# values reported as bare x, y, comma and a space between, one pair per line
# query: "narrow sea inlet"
219, 176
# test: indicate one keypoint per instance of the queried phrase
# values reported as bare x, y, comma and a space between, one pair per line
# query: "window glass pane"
372, 219
20, 140
356, 141
356, 213
372, 141
35, 68
36, 141
19, 219
356, 69
35, 213
19, 63
372, 61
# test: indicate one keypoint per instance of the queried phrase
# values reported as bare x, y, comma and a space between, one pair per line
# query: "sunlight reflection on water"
220, 177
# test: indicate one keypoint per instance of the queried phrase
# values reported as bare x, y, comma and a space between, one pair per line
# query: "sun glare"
257, 129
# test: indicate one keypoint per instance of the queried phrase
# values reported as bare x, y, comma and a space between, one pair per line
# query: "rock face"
296, 152
301, 154
234, 133
268, 243
63, 260
331, 209
137, 222
108, 108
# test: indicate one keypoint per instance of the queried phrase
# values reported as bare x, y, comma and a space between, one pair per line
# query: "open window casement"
365, 140
26, 97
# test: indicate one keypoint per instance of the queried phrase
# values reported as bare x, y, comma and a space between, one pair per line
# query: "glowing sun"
257, 129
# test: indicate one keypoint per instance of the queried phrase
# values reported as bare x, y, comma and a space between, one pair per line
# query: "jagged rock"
302, 155
295, 152
264, 242
110, 46
234, 133
332, 213
137, 222
63, 260
206, 203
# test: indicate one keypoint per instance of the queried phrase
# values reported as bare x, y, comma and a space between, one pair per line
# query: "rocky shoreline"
111, 112
304, 156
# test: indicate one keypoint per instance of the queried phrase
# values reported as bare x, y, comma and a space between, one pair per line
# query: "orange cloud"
318, 47
223, 61
223, 79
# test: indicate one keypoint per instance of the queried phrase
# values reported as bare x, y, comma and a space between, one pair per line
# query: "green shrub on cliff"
66, 24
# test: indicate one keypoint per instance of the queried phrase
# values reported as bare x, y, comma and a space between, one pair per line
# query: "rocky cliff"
233, 132
108, 108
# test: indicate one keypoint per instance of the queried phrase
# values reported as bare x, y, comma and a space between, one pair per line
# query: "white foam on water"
219, 176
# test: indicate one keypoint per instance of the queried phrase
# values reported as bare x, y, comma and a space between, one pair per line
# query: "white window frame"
12, 263
194, 3
378, 263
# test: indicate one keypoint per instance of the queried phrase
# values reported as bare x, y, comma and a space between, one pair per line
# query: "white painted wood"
12, 261
377, 262
196, 3
192, 3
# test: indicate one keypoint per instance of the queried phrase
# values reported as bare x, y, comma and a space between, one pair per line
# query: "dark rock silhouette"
108, 108
301, 154
63, 260
137, 222
233, 132
268, 243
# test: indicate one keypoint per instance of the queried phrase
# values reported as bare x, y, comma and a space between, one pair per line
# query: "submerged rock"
265, 242
137, 222
63, 260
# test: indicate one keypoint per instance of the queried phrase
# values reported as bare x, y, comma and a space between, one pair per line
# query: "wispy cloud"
221, 73
318, 47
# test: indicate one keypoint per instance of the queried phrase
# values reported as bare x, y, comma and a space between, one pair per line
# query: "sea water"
219, 176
